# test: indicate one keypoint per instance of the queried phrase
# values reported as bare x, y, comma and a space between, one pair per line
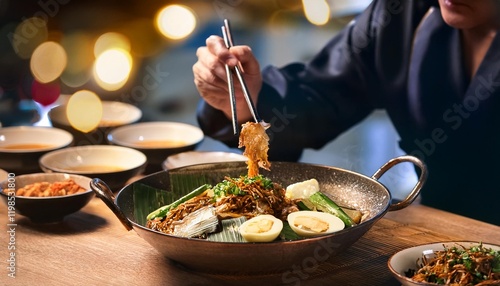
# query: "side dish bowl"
22, 146
135, 201
114, 164
114, 114
157, 140
45, 209
200, 157
406, 259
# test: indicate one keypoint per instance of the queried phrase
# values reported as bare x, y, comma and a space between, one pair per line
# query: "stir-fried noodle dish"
232, 198
458, 265
248, 197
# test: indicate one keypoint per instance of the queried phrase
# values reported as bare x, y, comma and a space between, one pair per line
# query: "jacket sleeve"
309, 104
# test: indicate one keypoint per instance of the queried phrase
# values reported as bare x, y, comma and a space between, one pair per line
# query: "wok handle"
418, 186
102, 190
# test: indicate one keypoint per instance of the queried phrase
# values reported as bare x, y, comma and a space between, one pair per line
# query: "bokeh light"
316, 11
48, 61
84, 110
28, 35
144, 38
176, 21
111, 40
45, 93
112, 69
79, 48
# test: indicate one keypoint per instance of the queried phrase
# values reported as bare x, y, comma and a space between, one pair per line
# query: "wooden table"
91, 247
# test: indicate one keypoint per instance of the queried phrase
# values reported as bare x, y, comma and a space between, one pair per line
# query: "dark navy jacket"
402, 57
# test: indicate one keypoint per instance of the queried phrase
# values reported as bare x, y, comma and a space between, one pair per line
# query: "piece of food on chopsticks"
254, 138
308, 194
458, 265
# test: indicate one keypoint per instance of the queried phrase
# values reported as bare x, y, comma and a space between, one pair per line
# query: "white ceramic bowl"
113, 164
406, 259
200, 157
157, 140
46, 209
114, 114
22, 146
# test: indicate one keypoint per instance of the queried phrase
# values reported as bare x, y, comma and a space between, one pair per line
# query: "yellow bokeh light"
176, 21
29, 34
79, 47
109, 41
112, 69
317, 11
75, 80
48, 62
84, 110
143, 34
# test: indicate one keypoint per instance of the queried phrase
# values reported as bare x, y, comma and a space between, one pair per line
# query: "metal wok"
135, 201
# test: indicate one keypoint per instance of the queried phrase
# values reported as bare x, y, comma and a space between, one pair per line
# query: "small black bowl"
44, 209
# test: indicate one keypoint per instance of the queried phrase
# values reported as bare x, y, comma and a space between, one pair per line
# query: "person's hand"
211, 79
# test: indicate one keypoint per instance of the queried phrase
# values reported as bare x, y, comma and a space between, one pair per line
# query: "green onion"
323, 203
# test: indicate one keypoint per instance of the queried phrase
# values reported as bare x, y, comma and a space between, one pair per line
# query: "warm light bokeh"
79, 47
45, 93
112, 69
84, 110
48, 61
176, 21
316, 11
111, 40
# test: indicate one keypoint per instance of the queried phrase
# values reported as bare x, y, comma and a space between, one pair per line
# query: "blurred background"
142, 52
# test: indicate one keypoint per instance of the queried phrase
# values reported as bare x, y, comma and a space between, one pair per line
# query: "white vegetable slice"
302, 190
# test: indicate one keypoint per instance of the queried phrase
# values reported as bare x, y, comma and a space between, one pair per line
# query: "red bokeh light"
45, 93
